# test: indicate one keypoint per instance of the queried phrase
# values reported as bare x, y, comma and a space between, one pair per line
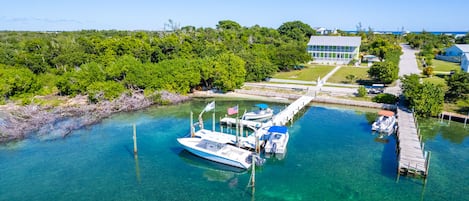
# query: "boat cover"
262, 106
278, 129
386, 113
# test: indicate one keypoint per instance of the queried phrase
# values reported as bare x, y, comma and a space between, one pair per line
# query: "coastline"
19, 122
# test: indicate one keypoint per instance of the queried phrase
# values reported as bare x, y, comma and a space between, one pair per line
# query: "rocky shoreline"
18, 122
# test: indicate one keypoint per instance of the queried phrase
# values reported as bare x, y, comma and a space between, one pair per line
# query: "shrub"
109, 90
385, 98
428, 71
361, 91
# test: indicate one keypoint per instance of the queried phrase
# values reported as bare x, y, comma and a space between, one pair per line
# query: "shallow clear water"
332, 155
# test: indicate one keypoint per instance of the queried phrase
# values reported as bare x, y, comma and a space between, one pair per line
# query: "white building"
465, 63
334, 49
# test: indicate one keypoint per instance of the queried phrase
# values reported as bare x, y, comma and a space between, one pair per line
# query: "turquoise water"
332, 155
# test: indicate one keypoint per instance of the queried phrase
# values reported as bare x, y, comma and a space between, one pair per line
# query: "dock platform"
288, 113
412, 159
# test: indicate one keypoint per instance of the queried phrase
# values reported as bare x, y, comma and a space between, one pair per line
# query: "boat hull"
384, 125
213, 156
248, 116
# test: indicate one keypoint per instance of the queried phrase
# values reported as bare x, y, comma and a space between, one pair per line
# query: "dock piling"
135, 138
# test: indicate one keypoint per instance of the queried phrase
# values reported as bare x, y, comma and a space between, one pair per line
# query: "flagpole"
240, 124
237, 122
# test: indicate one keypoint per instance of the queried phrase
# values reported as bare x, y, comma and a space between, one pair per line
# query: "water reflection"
213, 171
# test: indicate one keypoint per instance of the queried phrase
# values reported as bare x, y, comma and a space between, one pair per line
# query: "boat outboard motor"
274, 148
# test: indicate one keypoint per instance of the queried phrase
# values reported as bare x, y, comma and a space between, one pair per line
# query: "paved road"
408, 62
407, 65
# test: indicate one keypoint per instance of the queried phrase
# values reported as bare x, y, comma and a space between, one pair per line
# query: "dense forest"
105, 64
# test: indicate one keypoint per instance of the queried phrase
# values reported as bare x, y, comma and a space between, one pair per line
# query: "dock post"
258, 148
465, 119
192, 124
213, 121
428, 165
237, 137
449, 120
135, 138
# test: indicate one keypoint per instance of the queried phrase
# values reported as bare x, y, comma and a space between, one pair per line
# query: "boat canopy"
386, 113
262, 106
278, 129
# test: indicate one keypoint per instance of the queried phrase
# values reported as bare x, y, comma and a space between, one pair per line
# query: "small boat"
276, 140
219, 152
263, 112
385, 123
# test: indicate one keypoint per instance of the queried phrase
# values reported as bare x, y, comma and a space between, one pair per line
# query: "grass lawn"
435, 80
445, 66
309, 73
341, 74
461, 107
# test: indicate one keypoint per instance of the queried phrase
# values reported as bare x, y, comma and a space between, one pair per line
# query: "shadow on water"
205, 164
388, 156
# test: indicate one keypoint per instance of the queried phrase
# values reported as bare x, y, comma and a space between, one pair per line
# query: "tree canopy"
425, 98
296, 30
94, 63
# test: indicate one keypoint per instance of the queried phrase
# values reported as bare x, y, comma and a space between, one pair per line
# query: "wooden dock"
288, 113
280, 119
412, 160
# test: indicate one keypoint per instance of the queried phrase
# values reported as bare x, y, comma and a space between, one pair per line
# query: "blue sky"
385, 15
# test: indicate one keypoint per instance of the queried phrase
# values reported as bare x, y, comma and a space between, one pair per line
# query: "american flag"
233, 110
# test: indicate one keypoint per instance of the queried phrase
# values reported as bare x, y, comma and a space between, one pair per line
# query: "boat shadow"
389, 156
205, 164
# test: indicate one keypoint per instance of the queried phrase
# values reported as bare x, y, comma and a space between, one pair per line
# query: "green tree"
425, 98
385, 98
108, 90
384, 72
296, 30
228, 25
258, 64
16, 81
229, 72
361, 91
458, 86
290, 54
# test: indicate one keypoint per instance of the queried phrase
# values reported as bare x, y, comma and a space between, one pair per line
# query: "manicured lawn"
445, 66
461, 107
309, 73
435, 80
341, 74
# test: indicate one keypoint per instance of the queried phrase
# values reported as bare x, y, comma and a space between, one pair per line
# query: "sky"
380, 15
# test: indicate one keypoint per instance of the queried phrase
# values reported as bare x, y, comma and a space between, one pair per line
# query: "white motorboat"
263, 112
276, 140
385, 123
218, 152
